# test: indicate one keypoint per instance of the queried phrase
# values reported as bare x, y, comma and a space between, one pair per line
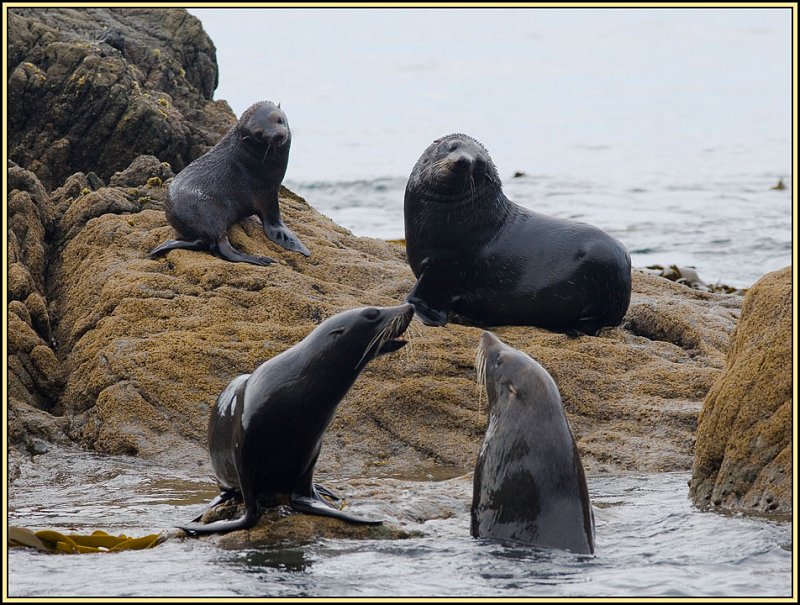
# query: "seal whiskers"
480, 367
479, 256
265, 431
238, 177
529, 485
392, 330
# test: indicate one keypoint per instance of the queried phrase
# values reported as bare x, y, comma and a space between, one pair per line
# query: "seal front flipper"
430, 304
228, 252
246, 521
279, 233
324, 491
315, 504
175, 244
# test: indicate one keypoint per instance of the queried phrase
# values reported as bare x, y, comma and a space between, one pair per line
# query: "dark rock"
90, 89
744, 440
146, 170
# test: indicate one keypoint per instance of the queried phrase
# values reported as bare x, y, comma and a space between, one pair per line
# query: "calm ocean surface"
666, 127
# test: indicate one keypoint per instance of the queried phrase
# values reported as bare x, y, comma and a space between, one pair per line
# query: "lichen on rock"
151, 343
744, 441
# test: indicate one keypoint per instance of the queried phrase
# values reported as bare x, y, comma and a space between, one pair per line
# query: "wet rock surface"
744, 441
280, 523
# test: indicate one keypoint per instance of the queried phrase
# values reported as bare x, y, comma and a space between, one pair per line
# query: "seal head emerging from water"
529, 485
266, 428
238, 177
479, 256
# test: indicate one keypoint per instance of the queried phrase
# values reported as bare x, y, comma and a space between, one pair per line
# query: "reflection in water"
273, 557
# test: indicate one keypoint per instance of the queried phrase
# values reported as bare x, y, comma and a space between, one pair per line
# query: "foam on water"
650, 542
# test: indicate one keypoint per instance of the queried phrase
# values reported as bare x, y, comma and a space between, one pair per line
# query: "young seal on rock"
529, 483
480, 256
266, 428
238, 177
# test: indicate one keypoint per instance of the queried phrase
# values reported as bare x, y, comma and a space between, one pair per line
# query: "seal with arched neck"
266, 428
238, 177
479, 256
529, 485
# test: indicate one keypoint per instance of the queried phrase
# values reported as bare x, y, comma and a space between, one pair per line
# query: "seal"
238, 177
529, 485
266, 428
479, 256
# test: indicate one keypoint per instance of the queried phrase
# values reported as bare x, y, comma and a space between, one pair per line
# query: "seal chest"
266, 428
479, 256
238, 177
529, 484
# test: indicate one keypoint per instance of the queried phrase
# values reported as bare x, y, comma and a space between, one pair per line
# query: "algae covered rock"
149, 344
744, 441
35, 374
90, 89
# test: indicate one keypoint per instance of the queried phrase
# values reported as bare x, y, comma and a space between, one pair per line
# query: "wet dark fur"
266, 429
491, 262
529, 484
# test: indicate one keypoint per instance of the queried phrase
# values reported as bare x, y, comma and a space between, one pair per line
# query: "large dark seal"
480, 256
266, 428
529, 483
238, 177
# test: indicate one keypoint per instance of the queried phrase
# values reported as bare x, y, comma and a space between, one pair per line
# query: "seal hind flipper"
175, 244
228, 252
279, 233
589, 326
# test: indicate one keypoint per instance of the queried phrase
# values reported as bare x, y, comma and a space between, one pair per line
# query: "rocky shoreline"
125, 355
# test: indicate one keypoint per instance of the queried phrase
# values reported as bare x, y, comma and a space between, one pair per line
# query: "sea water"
650, 541
668, 128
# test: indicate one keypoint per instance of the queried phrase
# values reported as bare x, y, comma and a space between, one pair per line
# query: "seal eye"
453, 146
337, 331
372, 314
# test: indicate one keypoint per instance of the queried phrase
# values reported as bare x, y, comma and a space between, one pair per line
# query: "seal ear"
279, 104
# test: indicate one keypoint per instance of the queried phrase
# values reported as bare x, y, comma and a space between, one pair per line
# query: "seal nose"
462, 160
279, 138
489, 340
